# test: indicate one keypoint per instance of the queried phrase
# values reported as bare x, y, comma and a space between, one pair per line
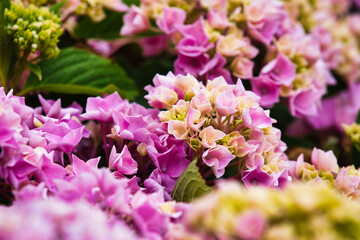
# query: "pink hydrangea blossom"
135, 21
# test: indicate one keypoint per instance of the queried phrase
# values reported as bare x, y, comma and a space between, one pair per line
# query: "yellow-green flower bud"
353, 132
34, 29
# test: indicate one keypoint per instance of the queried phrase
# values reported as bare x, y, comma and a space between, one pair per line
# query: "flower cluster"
34, 29
226, 38
40, 149
301, 211
335, 31
224, 124
336, 110
53, 219
325, 169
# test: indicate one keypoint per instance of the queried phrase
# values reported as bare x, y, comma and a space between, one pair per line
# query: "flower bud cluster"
34, 29
222, 123
301, 211
325, 169
353, 132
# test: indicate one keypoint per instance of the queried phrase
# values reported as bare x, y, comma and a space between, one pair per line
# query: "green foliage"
143, 71
358, 118
6, 45
77, 71
355, 148
190, 185
107, 29
132, 2
35, 69
57, 6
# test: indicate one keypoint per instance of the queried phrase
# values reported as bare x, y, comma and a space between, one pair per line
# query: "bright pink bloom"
215, 68
135, 21
347, 183
98, 108
267, 89
218, 19
64, 135
122, 162
161, 97
303, 102
195, 31
217, 158
281, 70
190, 47
209, 136
178, 129
53, 108
242, 67
226, 103
256, 176
192, 119
79, 166
250, 225
324, 160
191, 65
201, 102
130, 127
256, 117
170, 17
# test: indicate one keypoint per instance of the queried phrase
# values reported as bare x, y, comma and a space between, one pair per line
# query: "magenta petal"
267, 89
256, 117
281, 70
256, 176
217, 158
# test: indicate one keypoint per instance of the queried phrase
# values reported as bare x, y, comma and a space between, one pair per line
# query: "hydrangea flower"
232, 211
226, 37
223, 123
325, 169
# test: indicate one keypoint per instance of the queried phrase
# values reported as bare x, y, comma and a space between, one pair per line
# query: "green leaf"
355, 155
190, 185
57, 6
107, 29
76, 71
35, 69
6, 45
132, 2
358, 118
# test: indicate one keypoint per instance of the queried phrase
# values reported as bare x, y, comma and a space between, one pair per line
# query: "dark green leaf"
132, 2
190, 185
297, 142
143, 72
77, 71
358, 118
4, 4
355, 156
57, 6
35, 69
108, 29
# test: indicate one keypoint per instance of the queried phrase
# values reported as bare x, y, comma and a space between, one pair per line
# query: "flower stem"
20, 67
104, 133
